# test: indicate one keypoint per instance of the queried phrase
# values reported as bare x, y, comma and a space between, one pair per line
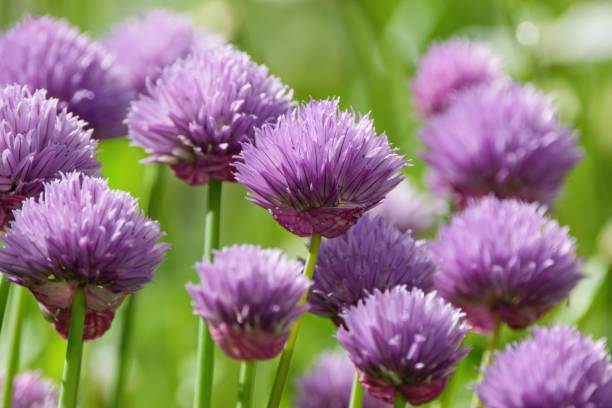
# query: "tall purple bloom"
38, 141
329, 384
558, 367
503, 139
202, 108
249, 296
505, 260
79, 233
143, 46
319, 169
448, 68
371, 255
404, 342
42, 52
32, 391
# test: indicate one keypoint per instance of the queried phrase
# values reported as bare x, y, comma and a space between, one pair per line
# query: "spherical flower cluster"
410, 209
143, 46
32, 391
505, 260
329, 384
558, 367
371, 255
42, 52
319, 169
404, 342
449, 68
79, 233
202, 108
249, 296
504, 139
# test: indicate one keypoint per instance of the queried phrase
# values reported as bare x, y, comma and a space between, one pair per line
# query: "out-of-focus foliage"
363, 51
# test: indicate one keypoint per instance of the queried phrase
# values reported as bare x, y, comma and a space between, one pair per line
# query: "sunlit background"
363, 51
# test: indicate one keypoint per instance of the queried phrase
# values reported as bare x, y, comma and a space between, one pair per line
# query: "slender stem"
74, 352
399, 402
245, 384
5, 287
487, 355
356, 393
154, 181
285, 360
206, 347
12, 356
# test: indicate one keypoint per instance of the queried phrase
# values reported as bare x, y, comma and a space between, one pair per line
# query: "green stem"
356, 393
487, 355
5, 287
74, 352
206, 347
12, 356
285, 360
154, 182
399, 402
245, 384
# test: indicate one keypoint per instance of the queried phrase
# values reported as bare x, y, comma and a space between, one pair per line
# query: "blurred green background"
365, 52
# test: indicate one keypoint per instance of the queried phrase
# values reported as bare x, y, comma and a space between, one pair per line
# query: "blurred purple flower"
249, 296
505, 259
38, 141
503, 139
81, 233
32, 391
371, 255
201, 109
42, 52
319, 169
143, 46
329, 384
404, 342
558, 367
448, 68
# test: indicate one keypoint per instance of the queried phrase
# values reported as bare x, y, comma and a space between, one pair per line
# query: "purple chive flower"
249, 296
371, 255
79, 233
448, 68
201, 109
404, 342
503, 139
410, 209
505, 260
558, 367
42, 52
32, 391
143, 46
319, 169
38, 141
329, 384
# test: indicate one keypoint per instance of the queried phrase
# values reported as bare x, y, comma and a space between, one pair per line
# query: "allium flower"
145, 45
79, 233
201, 109
38, 141
249, 296
558, 367
448, 68
319, 169
404, 342
410, 209
503, 139
329, 384
505, 259
42, 52
32, 391
371, 255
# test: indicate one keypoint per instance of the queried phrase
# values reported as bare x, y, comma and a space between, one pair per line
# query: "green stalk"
356, 393
12, 355
154, 181
74, 352
206, 347
487, 355
285, 360
399, 402
245, 384
5, 287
